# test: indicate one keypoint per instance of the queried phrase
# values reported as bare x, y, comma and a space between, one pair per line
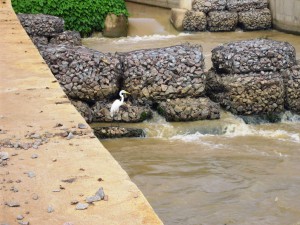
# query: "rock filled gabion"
189, 109
41, 25
127, 113
68, 38
247, 94
222, 21
165, 73
117, 132
194, 21
83, 73
84, 109
253, 56
208, 5
246, 5
292, 88
39, 40
259, 19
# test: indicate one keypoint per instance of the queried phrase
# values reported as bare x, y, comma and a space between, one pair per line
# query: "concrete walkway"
45, 171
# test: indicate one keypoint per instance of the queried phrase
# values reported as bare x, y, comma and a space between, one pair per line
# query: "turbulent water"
209, 172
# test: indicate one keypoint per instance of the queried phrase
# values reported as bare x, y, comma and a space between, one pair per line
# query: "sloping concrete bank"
50, 159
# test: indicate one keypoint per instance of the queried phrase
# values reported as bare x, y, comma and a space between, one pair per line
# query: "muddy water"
209, 172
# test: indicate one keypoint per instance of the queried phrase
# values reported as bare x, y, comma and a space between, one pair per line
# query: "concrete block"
177, 16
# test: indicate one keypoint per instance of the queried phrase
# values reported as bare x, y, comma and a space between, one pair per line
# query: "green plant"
85, 16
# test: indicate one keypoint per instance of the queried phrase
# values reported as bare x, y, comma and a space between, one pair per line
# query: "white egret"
114, 109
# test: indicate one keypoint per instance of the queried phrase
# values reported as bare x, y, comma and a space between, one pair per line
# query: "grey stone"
70, 136
4, 155
12, 204
50, 209
100, 193
92, 199
34, 156
82, 126
31, 174
82, 206
20, 217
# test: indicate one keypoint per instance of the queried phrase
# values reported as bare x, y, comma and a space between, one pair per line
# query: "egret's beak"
126, 92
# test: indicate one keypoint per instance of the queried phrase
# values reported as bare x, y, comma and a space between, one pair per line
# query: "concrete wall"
286, 15
161, 3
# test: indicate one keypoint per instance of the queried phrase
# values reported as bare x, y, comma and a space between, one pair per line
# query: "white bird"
114, 109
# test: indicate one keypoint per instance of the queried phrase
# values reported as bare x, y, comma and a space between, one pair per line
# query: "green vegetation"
84, 16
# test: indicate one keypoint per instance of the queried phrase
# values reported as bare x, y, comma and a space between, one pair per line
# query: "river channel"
209, 172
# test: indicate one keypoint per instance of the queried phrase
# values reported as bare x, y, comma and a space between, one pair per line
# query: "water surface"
209, 172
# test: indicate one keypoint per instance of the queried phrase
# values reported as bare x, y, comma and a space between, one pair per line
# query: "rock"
23, 222
117, 132
259, 19
4, 156
194, 21
74, 202
208, 5
50, 209
222, 21
115, 26
67, 38
246, 5
84, 109
41, 25
70, 136
31, 174
291, 78
82, 206
177, 16
82, 126
12, 204
189, 109
20, 217
34, 156
92, 199
127, 113
253, 56
84, 74
164, 73
247, 94
100, 193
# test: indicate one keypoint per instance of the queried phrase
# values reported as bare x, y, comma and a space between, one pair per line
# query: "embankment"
52, 159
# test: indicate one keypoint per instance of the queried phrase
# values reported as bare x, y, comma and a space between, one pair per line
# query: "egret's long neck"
122, 98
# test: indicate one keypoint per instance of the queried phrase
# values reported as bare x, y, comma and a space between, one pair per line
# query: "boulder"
194, 21
177, 16
83, 73
292, 88
41, 25
246, 5
117, 132
208, 5
189, 109
128, 113
67, 37
258, 19
165, 73
222, 21
115, 26
84, 109
247, 94
253, 56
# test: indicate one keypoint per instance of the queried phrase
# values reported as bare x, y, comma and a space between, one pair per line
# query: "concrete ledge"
33, 105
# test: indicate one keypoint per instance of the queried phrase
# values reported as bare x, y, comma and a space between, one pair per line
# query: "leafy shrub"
84, 16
